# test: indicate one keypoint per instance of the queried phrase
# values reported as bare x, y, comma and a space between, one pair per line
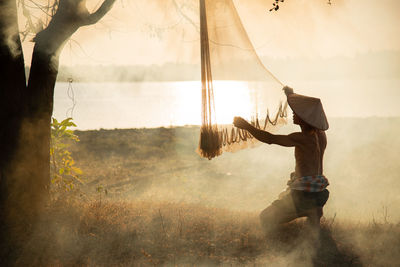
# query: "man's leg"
272, 217
313, 216
280, 211
310, 205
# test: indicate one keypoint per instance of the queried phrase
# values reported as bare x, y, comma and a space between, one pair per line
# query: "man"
306, 193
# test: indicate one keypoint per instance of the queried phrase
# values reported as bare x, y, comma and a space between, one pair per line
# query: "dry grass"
193, 213
362, 156
144, 233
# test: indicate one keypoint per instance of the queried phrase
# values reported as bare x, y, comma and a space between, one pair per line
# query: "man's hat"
309, 109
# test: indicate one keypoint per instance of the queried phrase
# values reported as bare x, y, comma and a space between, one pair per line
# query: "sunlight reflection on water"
151, 104
155, 104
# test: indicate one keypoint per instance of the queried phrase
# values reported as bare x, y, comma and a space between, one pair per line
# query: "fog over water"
155, 104
361, 160
152, 42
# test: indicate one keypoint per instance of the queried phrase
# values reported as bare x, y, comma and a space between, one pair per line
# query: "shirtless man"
306, 193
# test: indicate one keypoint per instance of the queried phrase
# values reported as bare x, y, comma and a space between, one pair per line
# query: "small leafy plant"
65, 176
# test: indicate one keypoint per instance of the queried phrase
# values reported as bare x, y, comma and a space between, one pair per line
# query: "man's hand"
241, 123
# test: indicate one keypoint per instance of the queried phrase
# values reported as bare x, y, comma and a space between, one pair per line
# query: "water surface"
155, 104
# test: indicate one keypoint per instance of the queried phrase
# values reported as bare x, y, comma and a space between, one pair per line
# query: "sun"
232, 98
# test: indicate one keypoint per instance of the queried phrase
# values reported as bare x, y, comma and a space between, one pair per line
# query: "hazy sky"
155, 32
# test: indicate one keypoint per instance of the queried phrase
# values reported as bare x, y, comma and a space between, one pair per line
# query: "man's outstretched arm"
266, 137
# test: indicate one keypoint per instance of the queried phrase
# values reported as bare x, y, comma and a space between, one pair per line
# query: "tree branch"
98, 14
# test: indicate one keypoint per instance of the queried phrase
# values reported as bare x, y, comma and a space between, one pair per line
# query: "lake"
155, 104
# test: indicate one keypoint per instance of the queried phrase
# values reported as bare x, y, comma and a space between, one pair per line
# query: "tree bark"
25, 116
12, 91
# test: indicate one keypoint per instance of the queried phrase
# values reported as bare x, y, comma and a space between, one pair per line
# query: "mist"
361, 166
141, 194
148, 198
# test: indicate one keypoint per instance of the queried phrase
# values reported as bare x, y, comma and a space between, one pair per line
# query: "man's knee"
277, 214
271, 218
268, 215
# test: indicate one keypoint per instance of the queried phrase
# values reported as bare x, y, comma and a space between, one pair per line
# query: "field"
149, 199
161, 164
149, 233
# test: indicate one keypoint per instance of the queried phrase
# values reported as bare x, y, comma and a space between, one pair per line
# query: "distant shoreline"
373, 65
334, 120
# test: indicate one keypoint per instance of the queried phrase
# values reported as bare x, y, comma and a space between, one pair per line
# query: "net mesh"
234, 81
231, 69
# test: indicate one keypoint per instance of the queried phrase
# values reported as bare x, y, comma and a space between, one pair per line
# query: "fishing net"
234, 81
231, 70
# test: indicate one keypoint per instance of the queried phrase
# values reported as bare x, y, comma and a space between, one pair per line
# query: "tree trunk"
28, 172
12, 91
25, 132
25, 116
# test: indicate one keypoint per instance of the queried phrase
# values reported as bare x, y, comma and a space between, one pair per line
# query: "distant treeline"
373, 65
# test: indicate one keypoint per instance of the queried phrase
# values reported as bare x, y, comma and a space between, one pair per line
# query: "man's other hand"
241, 123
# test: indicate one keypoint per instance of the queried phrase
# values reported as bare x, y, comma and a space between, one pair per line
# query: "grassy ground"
167, 206
361, 162
148, 233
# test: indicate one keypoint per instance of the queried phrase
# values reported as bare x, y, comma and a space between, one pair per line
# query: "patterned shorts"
300, 201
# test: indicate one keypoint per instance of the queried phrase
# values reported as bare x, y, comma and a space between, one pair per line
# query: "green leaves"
60, 129
65, 176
